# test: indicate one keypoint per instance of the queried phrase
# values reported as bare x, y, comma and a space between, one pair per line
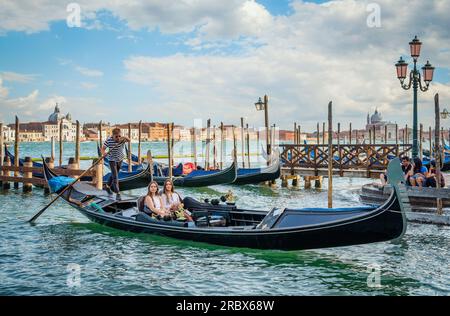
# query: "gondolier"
116, 144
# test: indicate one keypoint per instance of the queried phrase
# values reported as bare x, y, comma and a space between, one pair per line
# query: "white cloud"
212, 19
319, 53
89, 72
17, 77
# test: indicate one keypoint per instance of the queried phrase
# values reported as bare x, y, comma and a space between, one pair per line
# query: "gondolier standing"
116, 145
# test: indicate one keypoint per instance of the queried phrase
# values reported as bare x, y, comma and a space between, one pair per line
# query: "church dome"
69, 117
56, 115
376, 118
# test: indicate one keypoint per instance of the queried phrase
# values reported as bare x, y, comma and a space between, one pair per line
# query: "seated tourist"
172, 201
431, 176
407, 168
417, 175
153, 203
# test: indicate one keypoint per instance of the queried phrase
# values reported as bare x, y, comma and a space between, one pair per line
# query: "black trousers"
113, 181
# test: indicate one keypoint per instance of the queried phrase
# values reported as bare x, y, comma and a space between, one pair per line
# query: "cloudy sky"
179, 60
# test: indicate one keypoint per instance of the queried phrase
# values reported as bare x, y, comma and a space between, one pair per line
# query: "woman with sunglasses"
116, 145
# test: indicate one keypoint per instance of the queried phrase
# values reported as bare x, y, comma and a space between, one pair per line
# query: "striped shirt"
115, 152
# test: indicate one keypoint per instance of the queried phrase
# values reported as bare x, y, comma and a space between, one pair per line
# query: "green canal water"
65, 254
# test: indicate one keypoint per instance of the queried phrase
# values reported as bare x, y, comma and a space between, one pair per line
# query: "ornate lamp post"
415, 81
260, 106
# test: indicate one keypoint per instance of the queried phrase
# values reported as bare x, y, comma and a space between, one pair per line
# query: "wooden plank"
59, 171
36, 181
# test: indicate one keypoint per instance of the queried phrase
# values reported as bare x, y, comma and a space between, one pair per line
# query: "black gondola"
283, 229
202, 178
258, 175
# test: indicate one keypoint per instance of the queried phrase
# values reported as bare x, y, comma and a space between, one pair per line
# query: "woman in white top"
153, 201
172, 201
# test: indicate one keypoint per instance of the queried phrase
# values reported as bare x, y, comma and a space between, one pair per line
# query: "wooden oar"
71, 185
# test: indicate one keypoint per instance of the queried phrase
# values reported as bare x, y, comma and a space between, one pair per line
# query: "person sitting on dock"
431, 176
417, 175
116, 145
172, 201
153, 203
406, 167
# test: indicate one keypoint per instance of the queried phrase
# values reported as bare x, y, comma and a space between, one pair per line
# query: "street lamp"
264, 106
415, 81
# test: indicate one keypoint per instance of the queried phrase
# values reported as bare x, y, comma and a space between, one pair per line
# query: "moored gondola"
258, 175
282, 229
21, 163
202, 178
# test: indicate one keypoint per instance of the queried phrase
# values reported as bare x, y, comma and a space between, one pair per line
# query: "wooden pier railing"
346, 157
23, 174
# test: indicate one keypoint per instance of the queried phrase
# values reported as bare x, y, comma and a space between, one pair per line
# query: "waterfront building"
376, 121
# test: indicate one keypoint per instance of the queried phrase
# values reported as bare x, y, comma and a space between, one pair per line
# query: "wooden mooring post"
6, 162
16, 150
208, 140
139, 141
27, 187
330, 155
222, 145
194, 145
100, 133
242, 143
77, 145
60, 143
214, 148
169, 148
248, 146
437, 148
130, 161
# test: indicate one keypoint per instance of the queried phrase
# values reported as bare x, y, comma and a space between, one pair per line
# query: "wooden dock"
349, 160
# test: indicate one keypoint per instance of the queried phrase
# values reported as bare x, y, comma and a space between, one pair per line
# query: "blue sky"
129, 64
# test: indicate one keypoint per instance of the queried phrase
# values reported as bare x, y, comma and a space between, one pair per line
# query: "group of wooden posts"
16, 172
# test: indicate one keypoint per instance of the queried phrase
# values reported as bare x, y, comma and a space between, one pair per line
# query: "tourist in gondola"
417, 174
173, 202
116, 144
153, 203
431, 176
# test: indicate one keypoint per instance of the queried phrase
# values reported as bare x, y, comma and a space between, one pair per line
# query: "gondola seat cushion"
142, 217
